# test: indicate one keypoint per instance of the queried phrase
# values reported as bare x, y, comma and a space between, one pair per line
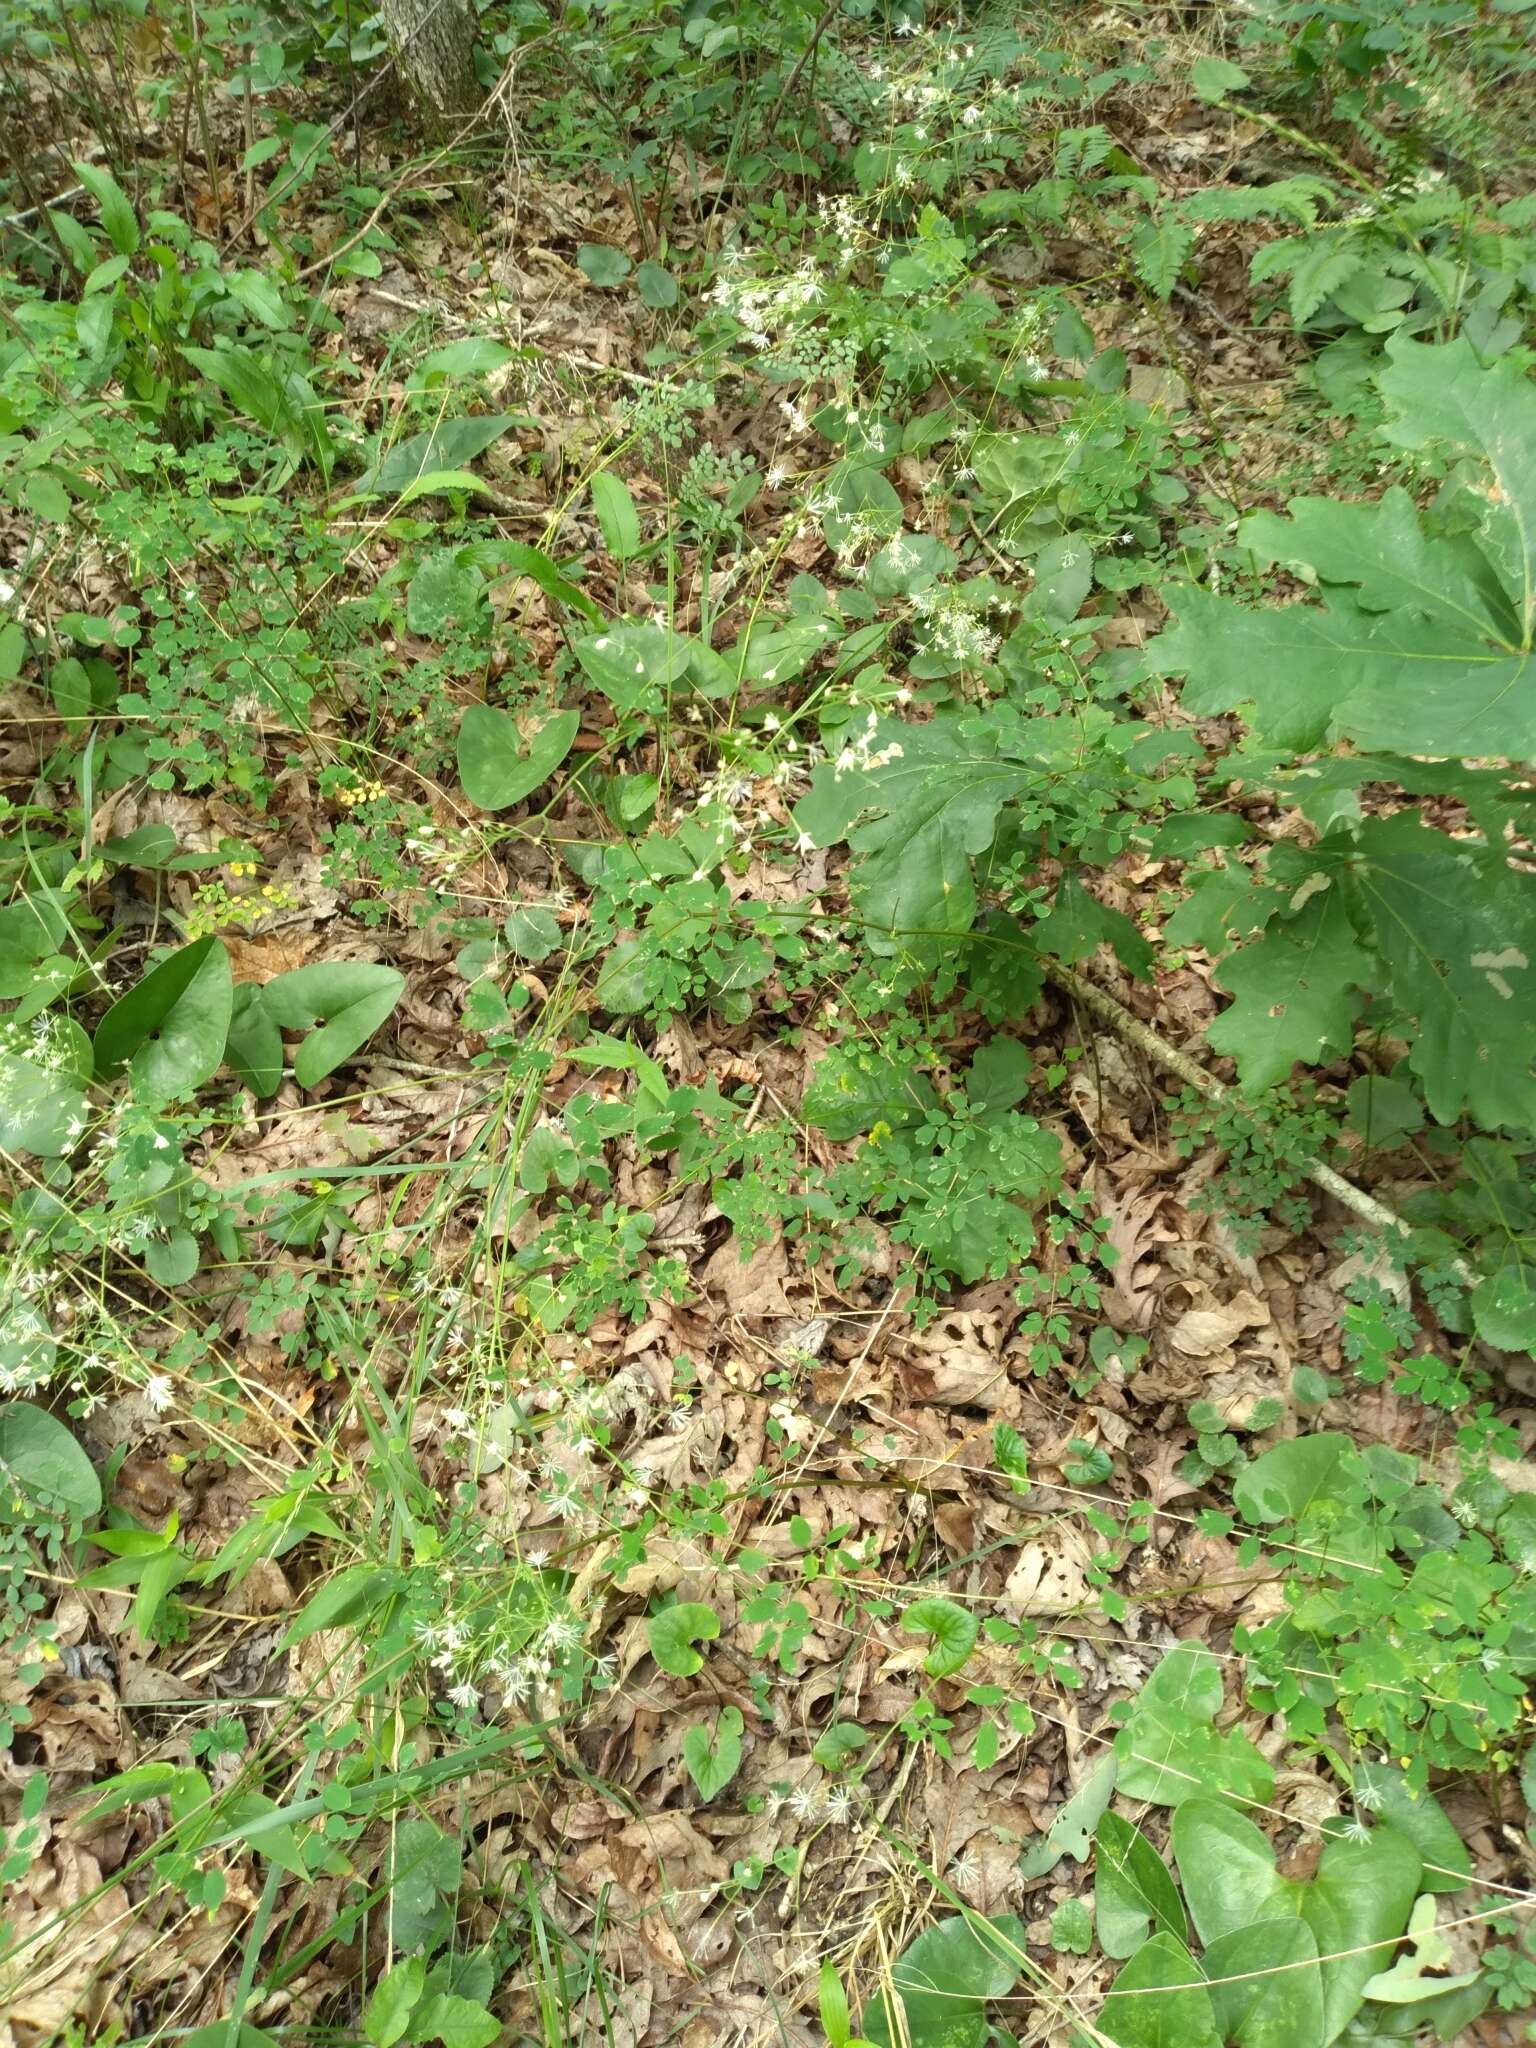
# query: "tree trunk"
434, 46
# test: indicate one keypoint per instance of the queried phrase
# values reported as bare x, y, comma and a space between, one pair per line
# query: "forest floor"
658, 1447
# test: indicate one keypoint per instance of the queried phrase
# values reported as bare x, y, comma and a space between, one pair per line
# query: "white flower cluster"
766, 307
861, 756
955, 628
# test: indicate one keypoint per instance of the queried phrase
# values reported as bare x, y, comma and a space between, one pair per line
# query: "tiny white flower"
159, 1392
465, 1697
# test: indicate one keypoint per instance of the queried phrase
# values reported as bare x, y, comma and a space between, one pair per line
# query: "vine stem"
1157, 1049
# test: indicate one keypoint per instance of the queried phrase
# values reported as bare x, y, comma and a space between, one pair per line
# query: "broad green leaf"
673, 1633
999, 1076
255, 1044
1445, 393
531, 931
118, 218
1133, 1893
1295, 990
1356, 1906
1159, 2000
353, 997
1377, 679
916, 803
456, 2022
616, 515
477, 355
173, 1025
40, 1456
1504, 1309
1214, 77
1168, 1750
1227, 1869
601, 265
713, 1756
1266, 1987
499, 765
451, 444
389, 2010
657, 287
837, 1745
1455, 927
423, 1873
1384, 548
951, 1629
352, 1596
634, 665
1072, 1831
1386, 1794
1284, 1482
944, 1980
1078, 924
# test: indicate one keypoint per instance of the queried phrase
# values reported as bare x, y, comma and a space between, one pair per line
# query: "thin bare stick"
1162, 1054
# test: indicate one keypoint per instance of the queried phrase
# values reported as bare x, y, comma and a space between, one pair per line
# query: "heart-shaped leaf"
951, 1629
255, 1047
41, 1458
353, 996
713, 1756
452, 444
1133, 1891
499, 766
173, 1026
673, 1633
1386, 1794
944, 1980
1169, 1751
1266, 1988
1160, 2000
1356, 1906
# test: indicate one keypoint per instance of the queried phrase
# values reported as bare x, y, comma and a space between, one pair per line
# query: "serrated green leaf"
1295, 992
445, 597
916, 821
1455, 928
1444, 392
601, 265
